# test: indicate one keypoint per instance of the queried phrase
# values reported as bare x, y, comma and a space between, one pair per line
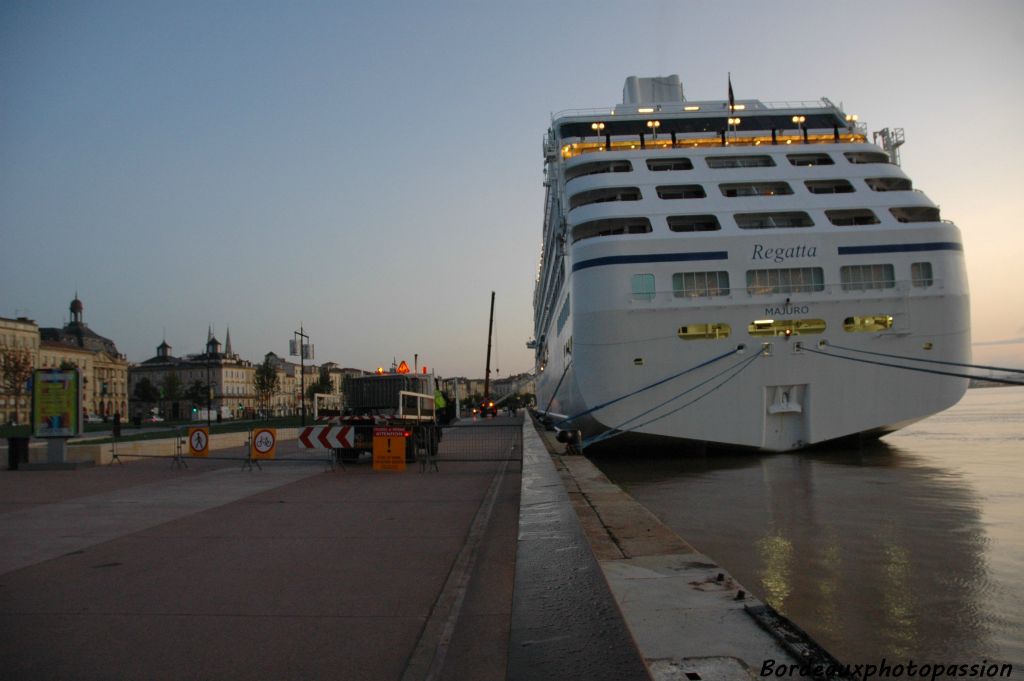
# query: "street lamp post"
302, 345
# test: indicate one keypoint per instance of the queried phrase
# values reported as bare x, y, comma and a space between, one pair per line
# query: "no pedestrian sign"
198, 441
264, 443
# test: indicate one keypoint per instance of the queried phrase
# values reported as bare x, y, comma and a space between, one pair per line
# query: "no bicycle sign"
264, 443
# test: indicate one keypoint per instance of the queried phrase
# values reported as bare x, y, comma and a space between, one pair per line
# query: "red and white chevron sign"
326, 437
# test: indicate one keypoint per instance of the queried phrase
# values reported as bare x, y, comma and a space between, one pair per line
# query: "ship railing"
574, 149
681, 107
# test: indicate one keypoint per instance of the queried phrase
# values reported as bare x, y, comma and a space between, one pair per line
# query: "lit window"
785, 280
698, 284
866, 277
869, 324
785, 327
704, 331
643, 286
921, 274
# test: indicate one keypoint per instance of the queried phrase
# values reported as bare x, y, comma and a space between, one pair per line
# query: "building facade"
104, 369
18, 338
185, 387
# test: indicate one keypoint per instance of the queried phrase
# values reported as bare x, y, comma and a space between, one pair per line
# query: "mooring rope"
930, 361
559, 385
907, 368
648, 387
619, 430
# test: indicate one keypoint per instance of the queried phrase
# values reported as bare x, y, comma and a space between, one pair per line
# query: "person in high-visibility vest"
441, 407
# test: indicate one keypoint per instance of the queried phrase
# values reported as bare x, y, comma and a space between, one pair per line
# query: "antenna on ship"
891, 141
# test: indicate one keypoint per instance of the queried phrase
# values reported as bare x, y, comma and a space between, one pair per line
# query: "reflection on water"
911, 548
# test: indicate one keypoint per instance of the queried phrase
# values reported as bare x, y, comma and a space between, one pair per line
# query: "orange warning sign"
388, 448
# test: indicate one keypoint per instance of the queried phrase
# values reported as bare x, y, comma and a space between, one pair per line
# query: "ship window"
916, 214
610, 227
866, 157
865, 277
810, 159
563, 314
704, 331
771, 220
785, 280
740, 162
681, 191
852, 216
889, 184
603, 195
785, 327
756, 189
700, 284
869, 324
693, 223
921, 274
661, 164
597, 167
643, 286
829, 186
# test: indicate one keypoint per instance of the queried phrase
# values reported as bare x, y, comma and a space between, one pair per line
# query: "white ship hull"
751, 363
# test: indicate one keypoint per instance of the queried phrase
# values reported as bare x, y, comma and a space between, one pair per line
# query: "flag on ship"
732, 100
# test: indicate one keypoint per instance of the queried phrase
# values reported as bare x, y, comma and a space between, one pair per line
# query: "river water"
910, 549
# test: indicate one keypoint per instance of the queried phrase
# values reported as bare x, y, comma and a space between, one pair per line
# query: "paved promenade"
144, 571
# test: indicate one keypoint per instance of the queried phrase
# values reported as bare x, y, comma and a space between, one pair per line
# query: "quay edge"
682, 610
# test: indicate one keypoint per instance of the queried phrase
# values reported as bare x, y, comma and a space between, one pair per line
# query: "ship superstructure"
718, 271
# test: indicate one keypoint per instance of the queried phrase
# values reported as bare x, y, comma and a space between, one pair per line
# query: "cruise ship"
740, 273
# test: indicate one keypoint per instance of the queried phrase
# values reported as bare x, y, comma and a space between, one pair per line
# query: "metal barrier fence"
482, 441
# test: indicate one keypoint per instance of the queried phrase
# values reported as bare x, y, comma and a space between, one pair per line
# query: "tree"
266, 384
16, 369
322, 385
145, 391
198, 393
171, 387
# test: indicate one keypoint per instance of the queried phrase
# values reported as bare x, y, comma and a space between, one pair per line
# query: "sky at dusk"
373, 171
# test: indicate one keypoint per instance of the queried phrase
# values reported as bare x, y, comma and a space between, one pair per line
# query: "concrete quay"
481, 570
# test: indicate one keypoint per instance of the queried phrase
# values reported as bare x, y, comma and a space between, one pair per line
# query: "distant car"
488, 407
94, 418
153, 419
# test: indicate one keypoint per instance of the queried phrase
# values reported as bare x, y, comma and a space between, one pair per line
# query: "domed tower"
76, 310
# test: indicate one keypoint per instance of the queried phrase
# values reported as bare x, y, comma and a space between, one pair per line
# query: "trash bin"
17, 452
